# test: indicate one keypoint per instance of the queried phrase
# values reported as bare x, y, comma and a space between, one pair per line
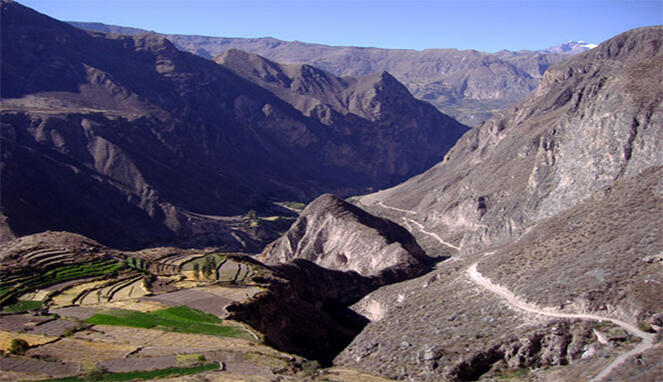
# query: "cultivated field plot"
76, 312
235, 294
53, 328
27, 365
180, 319
195, 298
18, 285
155, 342
136, 364
16, 322
123, 288
22, 306
83, 352
131, 304
72, 292
220, 267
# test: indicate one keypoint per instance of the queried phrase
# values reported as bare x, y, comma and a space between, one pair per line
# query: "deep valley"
221, 209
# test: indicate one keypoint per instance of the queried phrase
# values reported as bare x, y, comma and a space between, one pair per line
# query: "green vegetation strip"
22, 306
58, 275
144, 375
179, 319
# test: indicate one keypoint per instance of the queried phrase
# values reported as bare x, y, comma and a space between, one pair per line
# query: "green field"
180, 319
143, 375
22, 306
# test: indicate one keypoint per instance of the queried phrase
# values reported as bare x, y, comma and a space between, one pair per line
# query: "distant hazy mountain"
128, 140
466, 84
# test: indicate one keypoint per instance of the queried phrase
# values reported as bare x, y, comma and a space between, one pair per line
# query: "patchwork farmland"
79, 307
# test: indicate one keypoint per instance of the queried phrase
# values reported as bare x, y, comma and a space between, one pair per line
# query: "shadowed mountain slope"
130, 141
466, 84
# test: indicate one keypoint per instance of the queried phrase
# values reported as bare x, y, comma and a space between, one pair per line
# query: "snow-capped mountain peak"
570, 47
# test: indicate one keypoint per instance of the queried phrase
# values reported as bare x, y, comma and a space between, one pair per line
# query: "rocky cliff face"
556, 199
593, 120
131, 141
469, 85
339, 236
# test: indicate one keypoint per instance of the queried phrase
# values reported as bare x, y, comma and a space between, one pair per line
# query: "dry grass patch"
33, 339
69, 295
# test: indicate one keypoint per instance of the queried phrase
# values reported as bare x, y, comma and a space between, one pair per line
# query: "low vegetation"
22, 306
140, 375
180, 319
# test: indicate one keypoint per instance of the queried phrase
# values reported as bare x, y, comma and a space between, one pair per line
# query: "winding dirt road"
419, 225
647, 338
513, 300
395, 208
431, 234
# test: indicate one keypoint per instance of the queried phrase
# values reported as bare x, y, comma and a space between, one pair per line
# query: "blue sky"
482, 25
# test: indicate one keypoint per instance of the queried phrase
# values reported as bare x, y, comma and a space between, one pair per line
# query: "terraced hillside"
82, 309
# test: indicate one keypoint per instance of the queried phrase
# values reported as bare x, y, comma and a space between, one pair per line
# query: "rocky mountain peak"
337, 235
156, 44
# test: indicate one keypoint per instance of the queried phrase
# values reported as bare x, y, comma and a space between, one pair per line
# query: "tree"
196, 271
209, 266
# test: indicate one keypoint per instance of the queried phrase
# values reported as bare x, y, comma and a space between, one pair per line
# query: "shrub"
645, 327
96, 374
310, 367
18, 346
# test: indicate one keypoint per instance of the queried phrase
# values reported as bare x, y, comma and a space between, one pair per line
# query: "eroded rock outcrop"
339, 236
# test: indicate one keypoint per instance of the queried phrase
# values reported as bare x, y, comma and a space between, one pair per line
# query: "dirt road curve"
513, 300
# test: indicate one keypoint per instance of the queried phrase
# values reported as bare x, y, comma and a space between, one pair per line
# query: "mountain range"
166, 143
466, 84
527, 248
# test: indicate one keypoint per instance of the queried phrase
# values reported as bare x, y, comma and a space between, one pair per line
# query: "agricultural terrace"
179, 319
13, 286
224, 268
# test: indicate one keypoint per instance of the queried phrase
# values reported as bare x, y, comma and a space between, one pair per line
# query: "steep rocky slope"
130, 141
559, 201
337, 235
600, 257
594, 119
466, 84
